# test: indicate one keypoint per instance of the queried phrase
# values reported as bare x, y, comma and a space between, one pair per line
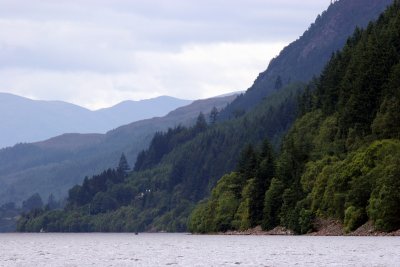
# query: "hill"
180, 167
306, 57
54, 165
339, 161
24, 120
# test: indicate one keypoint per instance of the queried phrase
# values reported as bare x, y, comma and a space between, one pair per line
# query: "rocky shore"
323, 227
258, 231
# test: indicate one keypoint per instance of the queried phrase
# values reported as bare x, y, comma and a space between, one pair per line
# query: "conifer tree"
264, 174
201, 123
213, 115
123, 165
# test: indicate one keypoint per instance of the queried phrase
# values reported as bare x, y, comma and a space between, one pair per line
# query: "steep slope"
305, 58
340, 160
25, 120
54, 165
179, 169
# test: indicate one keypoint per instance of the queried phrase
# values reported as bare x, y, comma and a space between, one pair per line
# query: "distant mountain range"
24, 120
55, 165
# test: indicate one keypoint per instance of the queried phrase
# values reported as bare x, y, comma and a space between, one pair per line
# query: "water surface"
195, 250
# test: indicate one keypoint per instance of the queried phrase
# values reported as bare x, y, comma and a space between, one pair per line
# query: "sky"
96, 53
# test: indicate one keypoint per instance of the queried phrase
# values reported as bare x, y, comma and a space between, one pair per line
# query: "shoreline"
321, 228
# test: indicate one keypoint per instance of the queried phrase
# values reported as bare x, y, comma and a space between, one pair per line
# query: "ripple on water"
191, 250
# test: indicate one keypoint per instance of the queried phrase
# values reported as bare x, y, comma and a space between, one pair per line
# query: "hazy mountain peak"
53, 165
27, 120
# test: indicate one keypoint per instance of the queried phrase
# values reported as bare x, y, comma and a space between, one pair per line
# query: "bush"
353, 218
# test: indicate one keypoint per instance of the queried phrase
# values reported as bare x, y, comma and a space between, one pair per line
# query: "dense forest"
337, 160
178, 169
55, 165
340, 159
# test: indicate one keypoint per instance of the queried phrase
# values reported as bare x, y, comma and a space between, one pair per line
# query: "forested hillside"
183, 164
179, 169
55, 165
306, 57
340, 159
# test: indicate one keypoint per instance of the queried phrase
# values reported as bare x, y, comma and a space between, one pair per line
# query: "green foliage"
333, 162
384, 208
84, 194
331, 150
306, 219
247, 163
353, 218
272, 204
214, 115
237, 202
243, 218
33, 202
163, 143
123, 165
200, 220
263, 176
291, 208
217, 213
102, 202
386, 123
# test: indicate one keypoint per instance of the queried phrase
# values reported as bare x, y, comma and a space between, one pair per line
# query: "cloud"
97, 53
197, 71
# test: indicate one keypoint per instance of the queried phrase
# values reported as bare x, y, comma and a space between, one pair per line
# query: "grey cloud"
60, 45
101, 35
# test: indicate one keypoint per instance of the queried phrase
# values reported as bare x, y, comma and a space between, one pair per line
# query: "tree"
33, 202
278, 83
238, 113
248, 162
201, 123
51, 203
213, 115
384, 207
272, 204
102, 202
123, 165
264, 174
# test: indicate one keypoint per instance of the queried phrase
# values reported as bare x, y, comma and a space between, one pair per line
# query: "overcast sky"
96, 53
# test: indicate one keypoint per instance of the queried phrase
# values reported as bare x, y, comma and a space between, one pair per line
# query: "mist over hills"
24, 120
56, 164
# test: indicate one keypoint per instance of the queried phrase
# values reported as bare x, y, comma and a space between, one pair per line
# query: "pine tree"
51, 202
264, 174
213, 115
248, 162
33, 202
201, 123
123, 165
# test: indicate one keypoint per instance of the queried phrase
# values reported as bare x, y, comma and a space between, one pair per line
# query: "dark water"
194, 250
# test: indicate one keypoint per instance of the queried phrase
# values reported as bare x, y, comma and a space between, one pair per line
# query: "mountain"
24, 120
306, 57
182, 165
339, 161
54, 165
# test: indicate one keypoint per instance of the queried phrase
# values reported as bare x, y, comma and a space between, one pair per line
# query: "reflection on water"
195, 250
